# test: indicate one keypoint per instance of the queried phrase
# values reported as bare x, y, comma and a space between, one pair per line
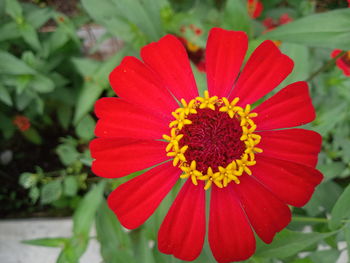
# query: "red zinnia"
22, 122
253, 168
255, 7
343, 62
271, 23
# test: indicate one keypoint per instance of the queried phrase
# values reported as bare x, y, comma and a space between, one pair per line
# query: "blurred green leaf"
28, 180
85, 213
38, 17
34, 194
327, 120
323, 199
14, 9
64, 114
9, 31
325, 256
329, 29
288, 243
300, 55
47, 242
9, 64
85, 128
30, 35
67, 153
70, 185
115, 242
51, 191
42, 84
341, 209
95, 81
5, 96
235, 16
32, 135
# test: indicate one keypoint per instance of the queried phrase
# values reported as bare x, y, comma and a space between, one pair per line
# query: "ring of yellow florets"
233, 170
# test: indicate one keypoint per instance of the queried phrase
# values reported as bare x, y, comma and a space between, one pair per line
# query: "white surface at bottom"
12, 232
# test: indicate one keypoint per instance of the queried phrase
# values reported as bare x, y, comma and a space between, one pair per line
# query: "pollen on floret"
213, 140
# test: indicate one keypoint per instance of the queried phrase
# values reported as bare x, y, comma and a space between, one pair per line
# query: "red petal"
168, 58
291, 182
290, 107
119, 118
120, 157
265, 70
135, 201
225, 52
295, 145
183, 229
136, 83
267, 214
230, 235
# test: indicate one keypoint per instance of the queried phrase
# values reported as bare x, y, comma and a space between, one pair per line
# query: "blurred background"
55, 58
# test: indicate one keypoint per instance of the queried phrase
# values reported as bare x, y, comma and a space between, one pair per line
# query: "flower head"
255, 8
195, 52
343, 62
21, 122
252, 160
271, 23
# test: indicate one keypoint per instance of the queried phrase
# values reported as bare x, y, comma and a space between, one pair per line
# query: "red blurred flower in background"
253, 166
21, 122
255, 8
271, 23
195, 53
343, 62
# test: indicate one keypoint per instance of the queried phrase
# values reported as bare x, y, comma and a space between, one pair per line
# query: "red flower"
253, 167
194, 52
271, 23
255, 8
343, 62
22, 122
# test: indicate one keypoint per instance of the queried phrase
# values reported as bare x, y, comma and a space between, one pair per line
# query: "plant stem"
328, 64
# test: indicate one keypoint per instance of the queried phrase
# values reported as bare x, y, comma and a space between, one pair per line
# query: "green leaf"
115, 242
9, 31
341, 209
288, 243
235, 16
85, 213
300, 55
42, 84
30, 35
85, 128
5, 96
9, 64
328, 29
51, 192
327, 120
325, 256
32, 135
28, 180
323, 199
67, 153
47, 242
96, 82
64, 115
38, 17
34, 194
70, 185
14, 9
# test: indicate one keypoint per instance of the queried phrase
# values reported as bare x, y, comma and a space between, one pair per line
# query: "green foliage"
329, 30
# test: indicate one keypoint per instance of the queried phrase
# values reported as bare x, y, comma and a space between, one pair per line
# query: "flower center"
213, 140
